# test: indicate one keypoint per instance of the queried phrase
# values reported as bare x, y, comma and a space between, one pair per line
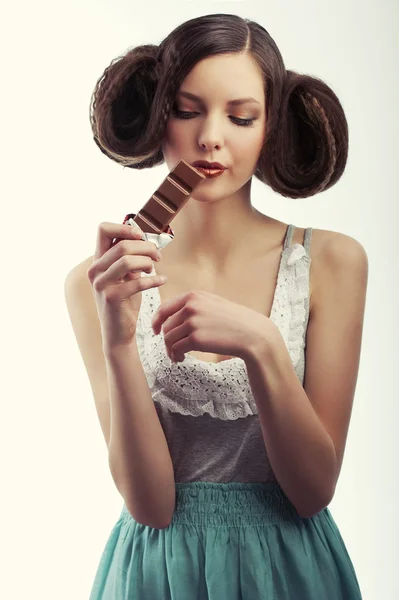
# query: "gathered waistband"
232, 504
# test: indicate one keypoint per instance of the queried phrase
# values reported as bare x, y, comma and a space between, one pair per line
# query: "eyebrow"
230, 102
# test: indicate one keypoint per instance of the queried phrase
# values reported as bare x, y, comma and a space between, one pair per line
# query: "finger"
116, 271
167, 309
177, 354
129, 288
177, 357
172, 322
108, 232
176, 340
139, 253
136, 232
167, 323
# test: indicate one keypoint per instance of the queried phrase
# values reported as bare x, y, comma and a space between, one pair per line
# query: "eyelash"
236, 120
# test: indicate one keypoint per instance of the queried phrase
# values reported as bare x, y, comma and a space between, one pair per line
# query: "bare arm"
300, 451
305, 428
139, 457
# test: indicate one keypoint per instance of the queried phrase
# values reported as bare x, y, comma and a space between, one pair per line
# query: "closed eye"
181, 114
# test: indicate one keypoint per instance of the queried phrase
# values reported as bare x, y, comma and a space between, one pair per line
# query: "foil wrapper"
160, 240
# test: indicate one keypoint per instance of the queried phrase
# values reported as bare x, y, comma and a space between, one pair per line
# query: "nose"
210, 137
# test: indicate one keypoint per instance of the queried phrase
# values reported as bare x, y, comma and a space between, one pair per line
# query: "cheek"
172, 146
175, 136
249, 146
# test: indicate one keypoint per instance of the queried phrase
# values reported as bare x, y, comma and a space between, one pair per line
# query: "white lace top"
207, 410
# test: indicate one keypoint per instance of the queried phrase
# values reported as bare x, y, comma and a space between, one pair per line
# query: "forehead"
229, 75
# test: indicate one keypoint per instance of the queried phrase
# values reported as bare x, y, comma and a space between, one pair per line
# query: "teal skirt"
227, 541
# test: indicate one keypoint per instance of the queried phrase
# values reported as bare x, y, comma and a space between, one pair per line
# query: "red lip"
208, 165
211, 173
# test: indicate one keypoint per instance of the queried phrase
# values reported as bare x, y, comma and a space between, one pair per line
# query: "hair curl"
306, 138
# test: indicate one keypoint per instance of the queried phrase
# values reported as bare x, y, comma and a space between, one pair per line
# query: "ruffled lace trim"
195, 387
298, 293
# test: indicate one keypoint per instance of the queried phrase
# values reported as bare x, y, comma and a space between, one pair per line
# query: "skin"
213, 228
220, 206
304, 427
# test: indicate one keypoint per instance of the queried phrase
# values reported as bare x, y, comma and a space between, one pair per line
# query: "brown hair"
306, 138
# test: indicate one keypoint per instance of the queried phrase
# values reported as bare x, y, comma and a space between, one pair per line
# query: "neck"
215, 235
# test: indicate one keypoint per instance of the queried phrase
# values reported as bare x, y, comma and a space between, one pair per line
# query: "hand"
115, 277
206, 322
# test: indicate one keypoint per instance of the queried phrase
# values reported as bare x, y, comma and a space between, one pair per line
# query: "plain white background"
59, 502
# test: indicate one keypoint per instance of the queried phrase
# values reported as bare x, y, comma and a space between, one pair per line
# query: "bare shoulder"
329, 242
333, 254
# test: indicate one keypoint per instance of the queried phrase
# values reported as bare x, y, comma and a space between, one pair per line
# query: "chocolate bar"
155, 216
168, 200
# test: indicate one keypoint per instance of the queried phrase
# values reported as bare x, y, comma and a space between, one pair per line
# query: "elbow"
156, 519
318, 498
158, 525
310, 512
164, 526
149, 522
314, 505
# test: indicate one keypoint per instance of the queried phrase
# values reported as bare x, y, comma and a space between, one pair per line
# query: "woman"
233, 501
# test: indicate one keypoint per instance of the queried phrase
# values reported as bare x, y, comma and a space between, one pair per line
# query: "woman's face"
211, 128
